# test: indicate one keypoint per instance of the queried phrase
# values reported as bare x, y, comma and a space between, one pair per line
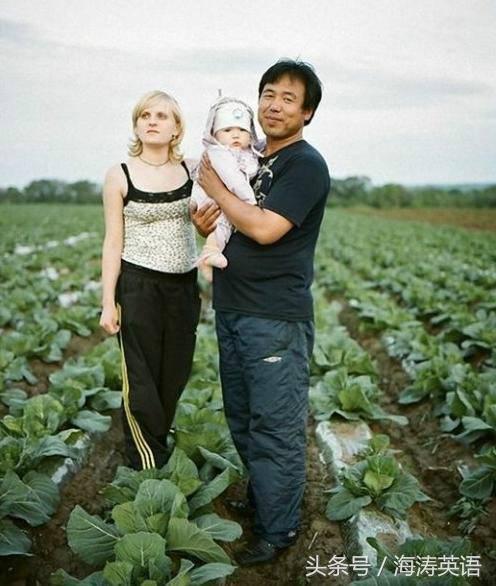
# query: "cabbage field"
406, 337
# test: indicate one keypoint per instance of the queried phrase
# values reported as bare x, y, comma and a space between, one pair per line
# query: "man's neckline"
291, 144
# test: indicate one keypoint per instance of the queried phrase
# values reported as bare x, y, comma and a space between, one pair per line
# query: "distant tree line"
351, 191
354, 191
54, 191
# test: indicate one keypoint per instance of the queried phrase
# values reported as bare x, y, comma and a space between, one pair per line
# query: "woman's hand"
109, 320
205, 218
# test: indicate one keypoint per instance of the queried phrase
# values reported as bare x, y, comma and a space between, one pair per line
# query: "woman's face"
156, 124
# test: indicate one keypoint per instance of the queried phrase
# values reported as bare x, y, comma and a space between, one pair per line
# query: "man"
264, 308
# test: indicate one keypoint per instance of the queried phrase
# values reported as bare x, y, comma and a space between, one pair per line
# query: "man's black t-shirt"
273, 281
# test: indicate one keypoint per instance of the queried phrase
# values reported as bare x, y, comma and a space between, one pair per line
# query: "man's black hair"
296, 70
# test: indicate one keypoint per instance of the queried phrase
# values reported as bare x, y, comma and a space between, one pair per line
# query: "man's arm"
205, 218
263, 226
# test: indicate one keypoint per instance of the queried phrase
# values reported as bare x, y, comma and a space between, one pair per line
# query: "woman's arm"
112, 246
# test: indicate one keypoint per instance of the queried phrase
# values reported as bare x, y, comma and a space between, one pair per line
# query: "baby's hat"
233, 113
228, 112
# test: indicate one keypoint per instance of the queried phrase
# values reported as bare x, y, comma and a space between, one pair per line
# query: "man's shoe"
243, 508
258, 551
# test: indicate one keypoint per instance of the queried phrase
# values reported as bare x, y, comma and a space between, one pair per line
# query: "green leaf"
344, 505
160, 569
118, 573
352, 478
13, 541
474, 427
379, 443
479, 484
158, 523
182, 577
412, 394
219, 461
105, 399
140, 548
90, 537
210, 572
92, 421
182, 472
402, 494
380, 473
185, 536
11, 453
376, 482
128, 519
87, 376
50, 445
207, 493
42, 415
12, 426
160, 496
218, 528
126, 483
379, 414
34, 499
19, 369
15, 399
354, 398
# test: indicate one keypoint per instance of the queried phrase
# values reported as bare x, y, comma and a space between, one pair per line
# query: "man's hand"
205, 218
209, 180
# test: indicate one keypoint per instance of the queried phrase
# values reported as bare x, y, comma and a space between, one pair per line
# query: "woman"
150, 294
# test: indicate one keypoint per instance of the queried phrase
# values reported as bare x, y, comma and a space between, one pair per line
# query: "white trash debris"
93, 286
23, 250
68, 299
50, 273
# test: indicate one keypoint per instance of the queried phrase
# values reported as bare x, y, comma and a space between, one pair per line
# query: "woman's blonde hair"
136, 146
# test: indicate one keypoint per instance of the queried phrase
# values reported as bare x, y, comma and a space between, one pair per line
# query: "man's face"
280, 108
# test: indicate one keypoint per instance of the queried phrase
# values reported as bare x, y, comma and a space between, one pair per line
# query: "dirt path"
318, 535
467, 218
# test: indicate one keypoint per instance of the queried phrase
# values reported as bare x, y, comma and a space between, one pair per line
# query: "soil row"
432, 456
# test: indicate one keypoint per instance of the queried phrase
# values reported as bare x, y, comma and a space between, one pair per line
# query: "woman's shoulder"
114, 171
191, 164
115, 176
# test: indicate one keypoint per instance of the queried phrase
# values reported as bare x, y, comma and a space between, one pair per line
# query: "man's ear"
307, 114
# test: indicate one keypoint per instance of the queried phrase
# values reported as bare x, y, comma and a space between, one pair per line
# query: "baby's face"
234, 137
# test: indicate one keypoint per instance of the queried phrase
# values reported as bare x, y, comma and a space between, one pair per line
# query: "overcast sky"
409, 85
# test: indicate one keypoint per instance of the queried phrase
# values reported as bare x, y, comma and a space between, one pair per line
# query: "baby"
229, 140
